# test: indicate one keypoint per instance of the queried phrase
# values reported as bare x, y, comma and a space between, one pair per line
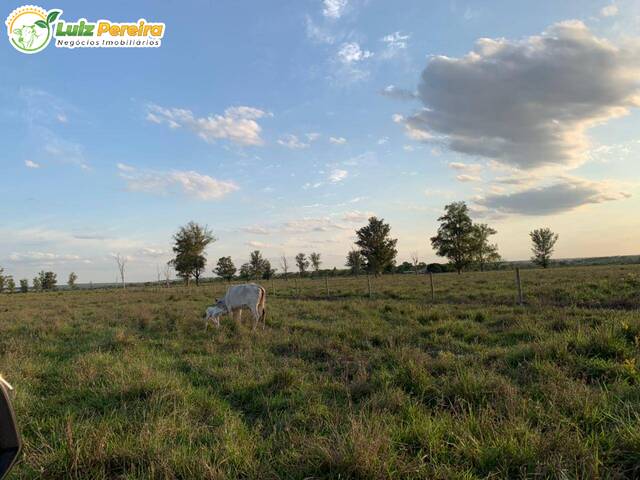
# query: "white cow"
249, 296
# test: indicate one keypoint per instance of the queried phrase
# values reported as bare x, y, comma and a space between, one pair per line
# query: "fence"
610, 287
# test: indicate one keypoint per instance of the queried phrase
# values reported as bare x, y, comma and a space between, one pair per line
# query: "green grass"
113, 384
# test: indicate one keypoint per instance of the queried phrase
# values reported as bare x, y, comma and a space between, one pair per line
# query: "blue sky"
283, 125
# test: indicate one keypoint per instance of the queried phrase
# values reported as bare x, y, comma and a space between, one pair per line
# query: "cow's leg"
206, 324
254, 311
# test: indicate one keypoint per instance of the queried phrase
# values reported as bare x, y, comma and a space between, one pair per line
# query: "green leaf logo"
52, 16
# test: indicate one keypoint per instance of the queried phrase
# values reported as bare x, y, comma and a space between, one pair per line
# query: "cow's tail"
262, 305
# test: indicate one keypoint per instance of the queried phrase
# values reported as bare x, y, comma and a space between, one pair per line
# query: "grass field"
127, 384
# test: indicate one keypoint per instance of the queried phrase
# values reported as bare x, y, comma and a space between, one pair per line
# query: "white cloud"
609, 10
337, 175
312, 136
394, 44
257, 244
398, 93
292, 142
466, 167
124, 167
190, 183
334, 8
468, 178
31, 164
338, 140
317, 33
42, 257
311, 224
357, 216
238, 124
565, 195
351, 52
257, 230
544, 92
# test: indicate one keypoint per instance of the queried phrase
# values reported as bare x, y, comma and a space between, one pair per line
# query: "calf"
249, 296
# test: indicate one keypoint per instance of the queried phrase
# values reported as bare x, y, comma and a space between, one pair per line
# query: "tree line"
459, 239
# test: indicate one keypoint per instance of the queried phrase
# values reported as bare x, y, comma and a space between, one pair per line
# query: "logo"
31, 29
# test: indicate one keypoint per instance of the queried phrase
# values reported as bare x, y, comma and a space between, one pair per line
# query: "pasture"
127, 384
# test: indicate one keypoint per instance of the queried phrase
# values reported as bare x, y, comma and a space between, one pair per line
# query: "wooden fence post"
369, 285
433, 293
519, 284
326, 284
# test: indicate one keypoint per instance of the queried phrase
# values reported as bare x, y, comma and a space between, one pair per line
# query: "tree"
121, 261
37, 285
257, 264
267, 272
284, 264
355, 261
245, 271
225, 268
483, 252
47, 280
302, 263
415, 261
167, 274
72, 280
10, 284
315, 261
454, 239
543, 240
2, 279
24, 285
190, 243
376, 246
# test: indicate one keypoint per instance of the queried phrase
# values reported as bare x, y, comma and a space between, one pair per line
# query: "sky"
284, 125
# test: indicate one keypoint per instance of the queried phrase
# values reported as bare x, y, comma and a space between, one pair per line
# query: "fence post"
433, 293
520, 301
326, 284
369, 285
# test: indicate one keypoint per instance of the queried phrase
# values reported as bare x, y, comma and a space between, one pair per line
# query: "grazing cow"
249, 296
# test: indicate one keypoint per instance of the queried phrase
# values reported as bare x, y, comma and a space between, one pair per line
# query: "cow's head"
213, 313
26, 35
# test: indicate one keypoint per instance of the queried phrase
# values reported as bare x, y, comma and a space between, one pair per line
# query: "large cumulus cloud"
528, 103
562, 196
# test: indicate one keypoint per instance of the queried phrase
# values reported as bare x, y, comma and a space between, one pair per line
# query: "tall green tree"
543, 242
355, 261
190, 243
37, 285
245, 271
24, 285
302, 263
72, 280
257, 263
2, 279
483, 252
10, 284
225, 268
47, 280
314, 258
455, 236
268, 272
377, 246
